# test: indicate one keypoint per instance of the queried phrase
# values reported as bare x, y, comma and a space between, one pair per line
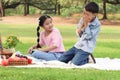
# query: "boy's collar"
94, 21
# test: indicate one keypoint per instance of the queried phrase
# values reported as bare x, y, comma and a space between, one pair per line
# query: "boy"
87, 31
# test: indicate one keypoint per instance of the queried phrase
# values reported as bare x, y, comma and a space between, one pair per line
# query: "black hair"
92, 7
41, 22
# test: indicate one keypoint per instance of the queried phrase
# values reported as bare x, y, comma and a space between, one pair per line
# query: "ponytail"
38, 35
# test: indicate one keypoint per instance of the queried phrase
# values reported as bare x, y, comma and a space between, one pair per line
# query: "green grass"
56, 74
108, 45
107, 42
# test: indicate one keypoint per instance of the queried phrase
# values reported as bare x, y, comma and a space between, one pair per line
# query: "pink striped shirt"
53, 39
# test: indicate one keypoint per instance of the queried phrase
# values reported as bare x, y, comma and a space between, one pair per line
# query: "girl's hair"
41, 22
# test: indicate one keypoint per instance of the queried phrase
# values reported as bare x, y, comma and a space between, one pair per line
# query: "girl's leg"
80, 58
44, 55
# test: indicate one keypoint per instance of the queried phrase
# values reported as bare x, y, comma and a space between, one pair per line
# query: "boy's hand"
85, 21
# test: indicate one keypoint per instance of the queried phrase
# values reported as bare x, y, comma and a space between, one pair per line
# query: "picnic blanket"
101, 64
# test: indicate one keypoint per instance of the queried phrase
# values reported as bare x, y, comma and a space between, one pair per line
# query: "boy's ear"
95, 14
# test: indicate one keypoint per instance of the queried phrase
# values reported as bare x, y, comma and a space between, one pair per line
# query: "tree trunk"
26, 8
56, 7
1, 9
104, 10
85, 2
113, 1
59, 9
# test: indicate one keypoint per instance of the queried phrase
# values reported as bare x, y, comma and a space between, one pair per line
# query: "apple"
29, 61
16, 58
4, 62
10, 59
22, 59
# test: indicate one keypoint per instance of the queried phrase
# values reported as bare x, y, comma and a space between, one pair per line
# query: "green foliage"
9, 1
113, 8
11, 42
69, 3
71, 10
20, 10
33, 10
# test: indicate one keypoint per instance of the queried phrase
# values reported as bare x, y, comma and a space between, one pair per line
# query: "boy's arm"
79, 29
90, 33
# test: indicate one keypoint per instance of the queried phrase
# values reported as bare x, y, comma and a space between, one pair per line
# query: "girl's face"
48, 25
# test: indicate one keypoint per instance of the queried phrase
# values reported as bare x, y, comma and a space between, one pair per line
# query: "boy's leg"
44, 55
80, 58
66, 57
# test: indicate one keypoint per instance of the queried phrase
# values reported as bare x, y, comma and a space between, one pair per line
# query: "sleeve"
56, 39
90, 33
42, 43
78, 26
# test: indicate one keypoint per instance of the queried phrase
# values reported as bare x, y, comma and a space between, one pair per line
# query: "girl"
51, 38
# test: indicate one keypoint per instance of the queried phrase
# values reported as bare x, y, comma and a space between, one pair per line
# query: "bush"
11, 41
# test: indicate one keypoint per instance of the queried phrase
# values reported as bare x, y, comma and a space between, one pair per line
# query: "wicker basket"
25, 62
8, 52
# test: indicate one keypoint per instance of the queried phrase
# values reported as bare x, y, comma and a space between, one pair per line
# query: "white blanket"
101, 64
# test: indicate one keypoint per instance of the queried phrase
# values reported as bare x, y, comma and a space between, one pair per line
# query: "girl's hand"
30, 50
40, 49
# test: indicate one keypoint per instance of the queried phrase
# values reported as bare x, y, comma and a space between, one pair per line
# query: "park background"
20, 18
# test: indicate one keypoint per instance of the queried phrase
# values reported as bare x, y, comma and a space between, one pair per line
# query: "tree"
114, 2
26, 7
51, 5
6, 4
104, 10
1, 9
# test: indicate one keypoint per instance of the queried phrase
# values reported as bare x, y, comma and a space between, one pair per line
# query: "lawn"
107, 42
108, 45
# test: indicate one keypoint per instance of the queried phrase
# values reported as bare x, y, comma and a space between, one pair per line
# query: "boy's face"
89, 15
